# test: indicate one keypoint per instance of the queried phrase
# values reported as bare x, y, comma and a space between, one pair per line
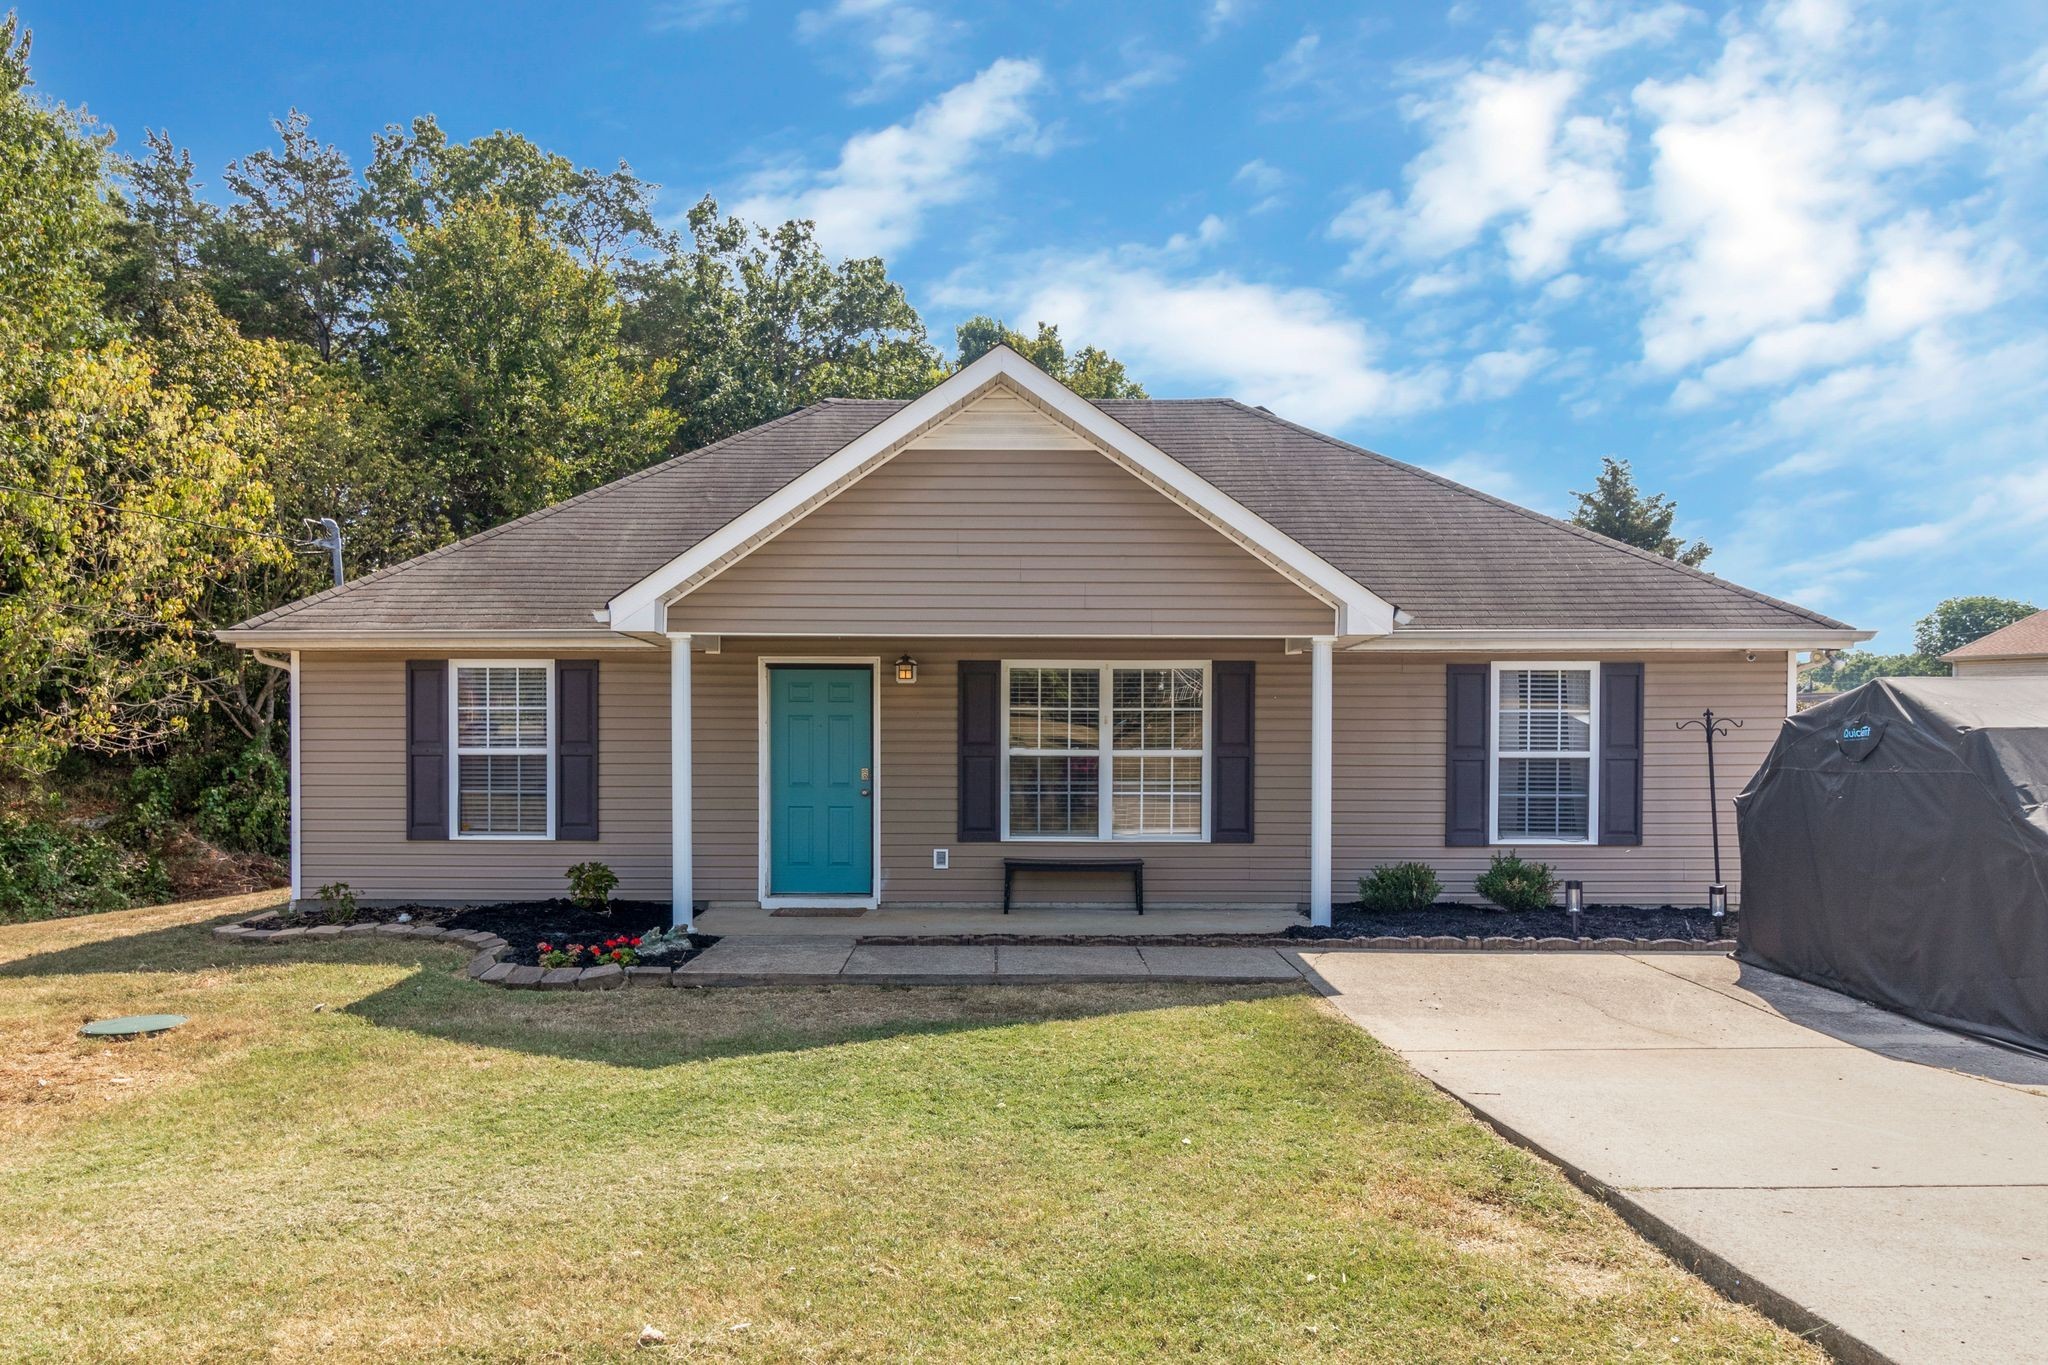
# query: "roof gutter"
260, 638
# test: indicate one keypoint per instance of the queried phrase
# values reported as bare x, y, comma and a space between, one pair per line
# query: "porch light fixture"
1575, 903
906, 669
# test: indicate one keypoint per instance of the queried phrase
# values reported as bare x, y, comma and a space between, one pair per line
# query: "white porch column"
682, 890
1322, 709
297, 820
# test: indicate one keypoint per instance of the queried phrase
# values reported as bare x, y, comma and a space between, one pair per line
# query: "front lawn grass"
352, 1153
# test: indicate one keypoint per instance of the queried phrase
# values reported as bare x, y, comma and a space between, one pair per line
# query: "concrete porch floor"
752, 922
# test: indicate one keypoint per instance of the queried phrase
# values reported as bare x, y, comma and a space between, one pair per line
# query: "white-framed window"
502, 719
1106, 751
1545, 780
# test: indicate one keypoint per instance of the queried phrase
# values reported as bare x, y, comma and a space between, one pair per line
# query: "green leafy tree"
301, 253
416, 175
157, 240
1951, 625
1618, 510
1090, 371
123, 497
757, 323
1960, 620
500, 372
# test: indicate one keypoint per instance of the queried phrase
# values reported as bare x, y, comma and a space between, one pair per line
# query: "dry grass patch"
426, 1169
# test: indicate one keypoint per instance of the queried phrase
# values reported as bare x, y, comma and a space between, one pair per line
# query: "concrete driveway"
1878, 1182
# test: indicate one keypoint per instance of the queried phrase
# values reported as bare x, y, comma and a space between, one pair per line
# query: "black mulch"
526, 924
1692, 924
1450, 921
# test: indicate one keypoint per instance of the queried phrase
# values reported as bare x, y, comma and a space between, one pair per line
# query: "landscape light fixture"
1717, 905
906, 669
1575, 903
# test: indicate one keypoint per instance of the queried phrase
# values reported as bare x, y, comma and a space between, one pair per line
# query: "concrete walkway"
748, 960
896, 921
1880, 1183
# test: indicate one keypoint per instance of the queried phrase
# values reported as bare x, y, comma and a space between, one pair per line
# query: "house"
2020, 648
863, 653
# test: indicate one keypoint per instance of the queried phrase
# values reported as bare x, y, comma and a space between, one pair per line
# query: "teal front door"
821, 763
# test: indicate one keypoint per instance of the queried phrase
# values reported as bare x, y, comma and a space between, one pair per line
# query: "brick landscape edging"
488, 966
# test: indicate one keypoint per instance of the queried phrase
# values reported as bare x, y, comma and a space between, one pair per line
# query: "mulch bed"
1669, 922
525, 924
1685, 923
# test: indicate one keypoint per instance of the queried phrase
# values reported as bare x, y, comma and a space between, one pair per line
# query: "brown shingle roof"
1451, 557
2023, 639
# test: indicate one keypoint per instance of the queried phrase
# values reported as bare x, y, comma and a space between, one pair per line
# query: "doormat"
820, 912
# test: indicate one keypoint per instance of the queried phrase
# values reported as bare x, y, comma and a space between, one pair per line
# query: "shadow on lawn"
175, 948
649, 1029
645, 1028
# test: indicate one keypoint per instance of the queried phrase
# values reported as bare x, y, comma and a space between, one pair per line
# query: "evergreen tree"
1618, 510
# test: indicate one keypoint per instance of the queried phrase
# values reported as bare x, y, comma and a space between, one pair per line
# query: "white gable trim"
641, 607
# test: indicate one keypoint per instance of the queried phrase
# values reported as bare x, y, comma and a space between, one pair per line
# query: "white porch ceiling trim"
1478, 641
641, 607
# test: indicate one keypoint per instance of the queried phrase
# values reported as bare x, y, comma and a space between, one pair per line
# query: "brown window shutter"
1231, 709
1621, 753
981, 751
426, 749
576, 749
1468, 714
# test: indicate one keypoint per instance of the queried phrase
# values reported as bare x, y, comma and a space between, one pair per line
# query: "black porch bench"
1134, 866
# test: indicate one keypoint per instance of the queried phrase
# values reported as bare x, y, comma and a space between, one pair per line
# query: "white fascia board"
433, 640
1360, 611
1608, 641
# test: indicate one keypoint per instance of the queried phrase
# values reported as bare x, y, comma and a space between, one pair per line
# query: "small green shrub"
238, 798
1514, 883
1400, 886
591, 885
247, 805
338, 899
48, 869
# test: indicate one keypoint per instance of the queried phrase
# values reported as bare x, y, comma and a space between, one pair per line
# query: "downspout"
290, 668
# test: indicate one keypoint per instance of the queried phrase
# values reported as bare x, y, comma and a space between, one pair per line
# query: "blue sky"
1784, 257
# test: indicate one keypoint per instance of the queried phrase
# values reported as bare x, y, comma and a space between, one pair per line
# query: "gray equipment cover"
1895, 847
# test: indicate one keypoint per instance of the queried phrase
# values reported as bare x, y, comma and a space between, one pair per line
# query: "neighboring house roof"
2023, 639
1451, 558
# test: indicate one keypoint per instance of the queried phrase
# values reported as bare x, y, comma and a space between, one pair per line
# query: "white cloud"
1769, 204
1296, 351
1504, 152
1511, 149
1221, 14
899, 39
876, 199
1145, 67
687, 16
1496, 374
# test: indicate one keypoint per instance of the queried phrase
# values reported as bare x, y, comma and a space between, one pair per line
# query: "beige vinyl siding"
1031, 541
1389, 776
2000, 668
353, 751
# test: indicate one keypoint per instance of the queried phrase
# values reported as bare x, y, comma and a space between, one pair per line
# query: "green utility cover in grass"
131, 1026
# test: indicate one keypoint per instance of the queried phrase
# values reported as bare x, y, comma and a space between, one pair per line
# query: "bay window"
1544, 787
503, 753
1106, 751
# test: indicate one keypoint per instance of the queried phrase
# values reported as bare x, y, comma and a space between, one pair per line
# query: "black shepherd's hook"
1712, 725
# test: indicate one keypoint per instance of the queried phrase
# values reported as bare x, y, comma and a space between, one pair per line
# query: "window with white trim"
1544, 787
503, 753
1106, 751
